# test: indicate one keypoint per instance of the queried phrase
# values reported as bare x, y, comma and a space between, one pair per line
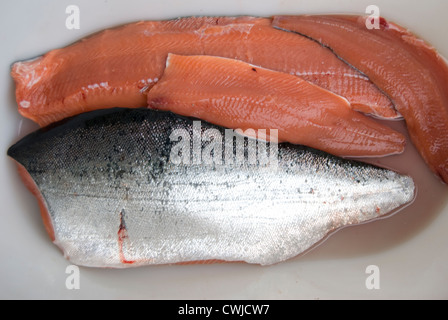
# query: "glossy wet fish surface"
118, 196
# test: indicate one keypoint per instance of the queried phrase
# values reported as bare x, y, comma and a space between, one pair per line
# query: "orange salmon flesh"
406, 68
238, 95
117, 67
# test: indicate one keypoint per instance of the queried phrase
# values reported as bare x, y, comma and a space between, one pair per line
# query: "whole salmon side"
117, 67
133, 187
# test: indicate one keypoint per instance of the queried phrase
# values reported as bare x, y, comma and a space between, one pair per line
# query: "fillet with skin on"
406, 68
238, 95
116, 67
114, 194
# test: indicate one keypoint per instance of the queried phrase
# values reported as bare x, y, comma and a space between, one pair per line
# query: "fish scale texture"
118, 197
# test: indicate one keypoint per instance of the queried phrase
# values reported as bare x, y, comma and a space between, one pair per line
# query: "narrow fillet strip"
406, 68
238, 95
116, 67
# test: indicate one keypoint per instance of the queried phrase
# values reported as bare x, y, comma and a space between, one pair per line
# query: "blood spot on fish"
123, 235
253, 69
383, 23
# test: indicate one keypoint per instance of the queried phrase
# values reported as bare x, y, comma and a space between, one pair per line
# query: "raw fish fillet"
113, 193
238, 95
117, 67
406, 68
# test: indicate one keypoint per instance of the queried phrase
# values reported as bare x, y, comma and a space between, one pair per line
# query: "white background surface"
33, 268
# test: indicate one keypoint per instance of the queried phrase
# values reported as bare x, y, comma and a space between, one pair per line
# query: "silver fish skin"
115, 198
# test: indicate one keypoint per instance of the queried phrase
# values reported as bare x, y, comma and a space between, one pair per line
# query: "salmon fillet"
406, 68
116, 67
238, 95
113, 194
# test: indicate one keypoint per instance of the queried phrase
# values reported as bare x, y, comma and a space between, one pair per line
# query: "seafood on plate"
209, 139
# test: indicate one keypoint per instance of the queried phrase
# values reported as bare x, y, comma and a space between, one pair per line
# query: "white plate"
412, 263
